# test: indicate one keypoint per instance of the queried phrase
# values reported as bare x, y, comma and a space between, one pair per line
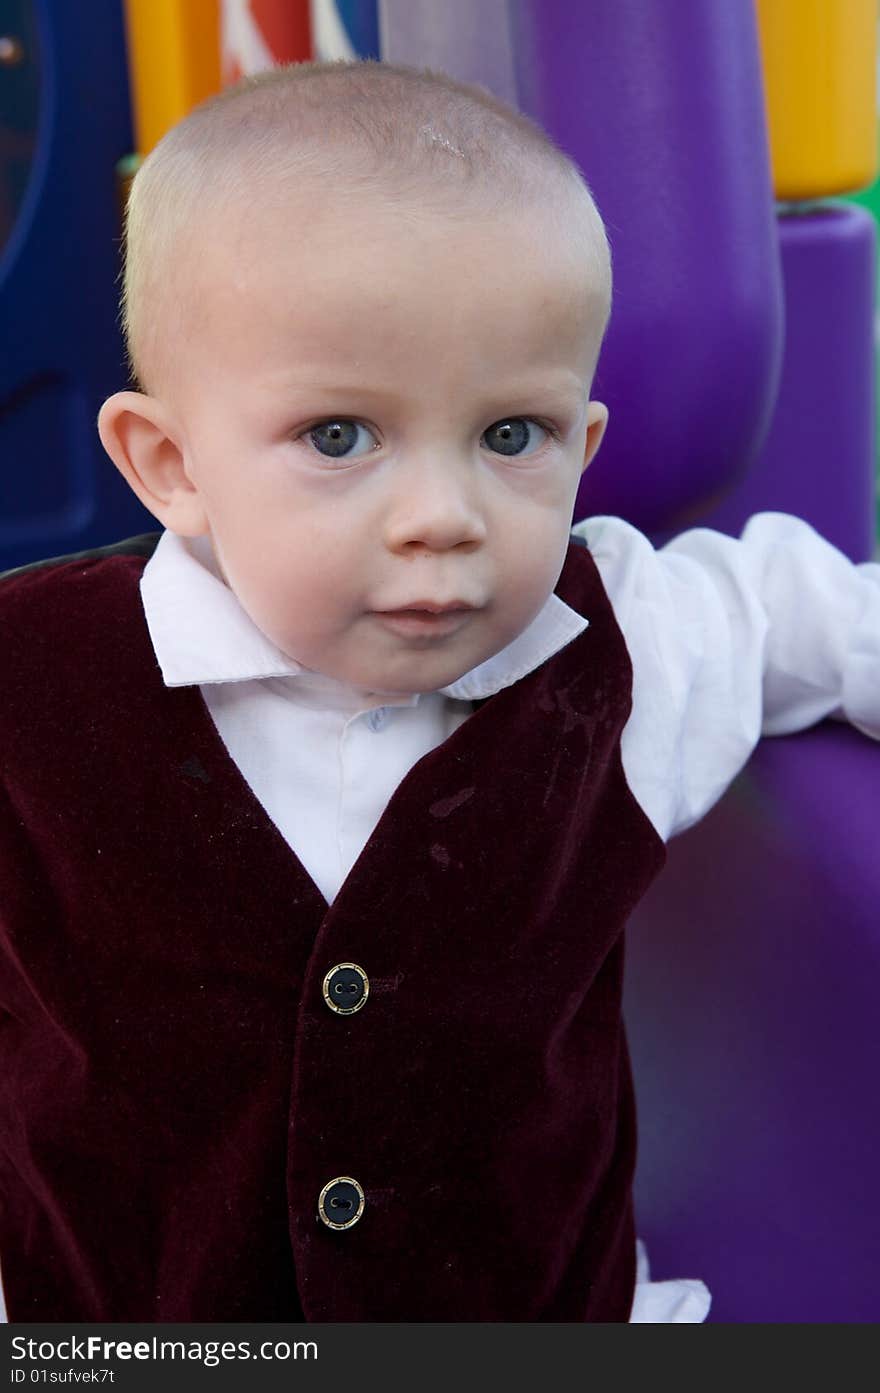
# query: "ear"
597, 420
141, 439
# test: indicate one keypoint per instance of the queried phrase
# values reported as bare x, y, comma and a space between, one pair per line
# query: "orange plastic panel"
173, 62
820, 78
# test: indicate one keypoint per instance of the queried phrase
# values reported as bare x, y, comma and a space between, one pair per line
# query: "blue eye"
334, 439
512, 435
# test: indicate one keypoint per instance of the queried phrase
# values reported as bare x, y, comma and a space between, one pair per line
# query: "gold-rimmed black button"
346, 988
341, 1202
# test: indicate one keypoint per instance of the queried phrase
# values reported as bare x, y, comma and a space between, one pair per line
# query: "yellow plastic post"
173, 62
820, 79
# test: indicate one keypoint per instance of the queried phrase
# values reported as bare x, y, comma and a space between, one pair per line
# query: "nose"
437, 504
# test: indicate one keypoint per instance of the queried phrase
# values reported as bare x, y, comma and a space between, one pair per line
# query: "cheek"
534, 552
292, 593
536, 567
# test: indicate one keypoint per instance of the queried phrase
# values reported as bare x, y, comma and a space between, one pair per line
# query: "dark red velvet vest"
174, 1091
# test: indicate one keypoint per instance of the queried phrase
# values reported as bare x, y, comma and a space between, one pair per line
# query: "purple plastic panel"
753, 998
662, 106
818, 459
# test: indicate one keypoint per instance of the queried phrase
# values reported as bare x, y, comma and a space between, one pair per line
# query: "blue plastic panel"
64, 123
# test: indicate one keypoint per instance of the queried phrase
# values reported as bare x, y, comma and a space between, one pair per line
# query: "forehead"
362, 282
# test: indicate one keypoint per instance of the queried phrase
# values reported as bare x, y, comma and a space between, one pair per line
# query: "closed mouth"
426, 607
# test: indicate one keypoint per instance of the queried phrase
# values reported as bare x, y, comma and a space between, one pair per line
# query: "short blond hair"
411, 135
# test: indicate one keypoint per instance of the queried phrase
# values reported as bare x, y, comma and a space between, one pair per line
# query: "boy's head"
363, 305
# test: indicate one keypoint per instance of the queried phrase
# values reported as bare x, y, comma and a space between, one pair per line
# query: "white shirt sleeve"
730, 640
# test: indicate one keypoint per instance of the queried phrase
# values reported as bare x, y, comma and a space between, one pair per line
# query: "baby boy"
311, 961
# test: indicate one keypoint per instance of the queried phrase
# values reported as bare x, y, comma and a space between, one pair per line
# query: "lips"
429, 607
415, 623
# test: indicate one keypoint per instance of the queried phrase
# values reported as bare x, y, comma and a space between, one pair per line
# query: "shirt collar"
201, 634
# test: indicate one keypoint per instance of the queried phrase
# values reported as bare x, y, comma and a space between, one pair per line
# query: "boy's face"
375, 414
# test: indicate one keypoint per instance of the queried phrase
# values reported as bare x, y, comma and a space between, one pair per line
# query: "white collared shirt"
728, 639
